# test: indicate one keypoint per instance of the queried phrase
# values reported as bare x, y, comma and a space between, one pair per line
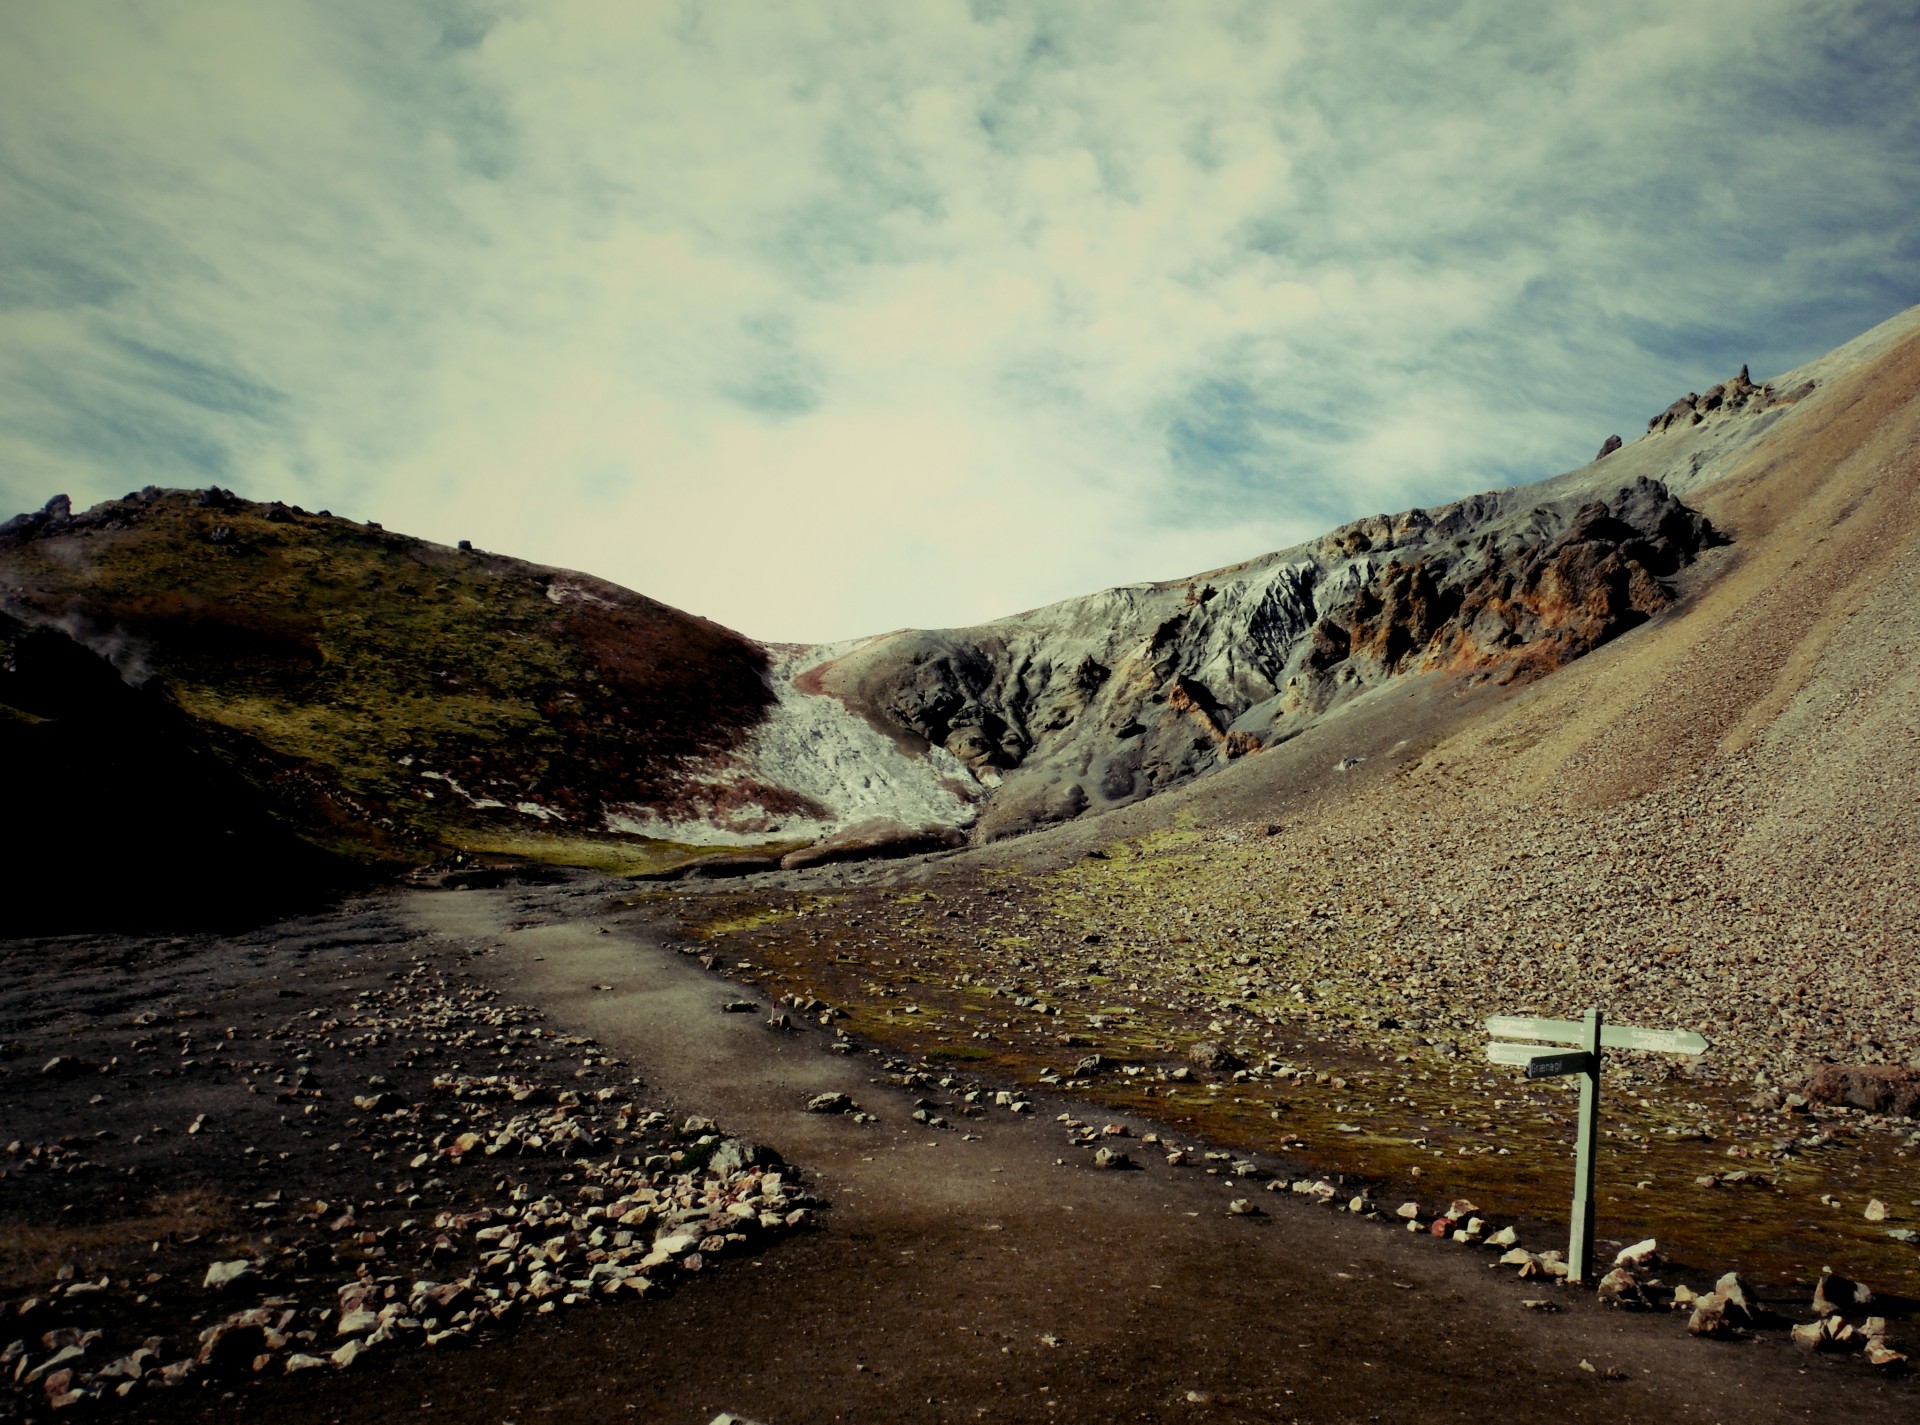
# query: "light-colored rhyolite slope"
1100, 701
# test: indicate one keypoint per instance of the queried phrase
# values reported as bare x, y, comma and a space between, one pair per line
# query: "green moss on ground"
1424, 1125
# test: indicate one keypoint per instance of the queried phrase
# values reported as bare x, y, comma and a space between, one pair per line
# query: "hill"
393, 700
387, 697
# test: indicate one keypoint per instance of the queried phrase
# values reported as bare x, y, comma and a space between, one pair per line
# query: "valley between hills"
412, 949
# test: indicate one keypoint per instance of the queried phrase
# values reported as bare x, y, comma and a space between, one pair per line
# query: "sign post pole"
1587, 1037
1580, 1238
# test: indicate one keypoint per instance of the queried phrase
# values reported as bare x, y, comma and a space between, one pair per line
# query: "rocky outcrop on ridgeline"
1739, 394
1100, 701
1517, 609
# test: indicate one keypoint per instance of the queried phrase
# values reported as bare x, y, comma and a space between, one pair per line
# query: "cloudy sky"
826, 318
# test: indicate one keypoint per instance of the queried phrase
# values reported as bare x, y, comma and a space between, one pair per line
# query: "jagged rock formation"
1739, 394
1101, 701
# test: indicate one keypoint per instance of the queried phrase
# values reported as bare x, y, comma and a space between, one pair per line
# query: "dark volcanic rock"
1100, 701
95, 761
1874, 1087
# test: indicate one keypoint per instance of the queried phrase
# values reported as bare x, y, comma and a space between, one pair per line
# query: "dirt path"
964, 1280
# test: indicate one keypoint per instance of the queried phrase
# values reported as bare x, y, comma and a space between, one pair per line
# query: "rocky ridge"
1105, 700
569, 719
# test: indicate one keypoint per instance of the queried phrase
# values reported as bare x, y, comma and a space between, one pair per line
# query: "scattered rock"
346, 1355
1639, 1256
831, 1103
1620, 1287
1709, 1316
223, 1275
1733, 1292
1881, 1356
1214, 1058
1834, 1294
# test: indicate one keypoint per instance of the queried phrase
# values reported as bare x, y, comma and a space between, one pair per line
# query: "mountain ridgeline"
388, 700
1104, 700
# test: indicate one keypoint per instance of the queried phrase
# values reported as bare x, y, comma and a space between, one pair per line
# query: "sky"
830, 318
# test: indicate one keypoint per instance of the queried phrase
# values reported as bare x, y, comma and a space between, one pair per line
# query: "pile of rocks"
439, 1199
627, 1232
1726, 398
1835, 1298
1732, 1307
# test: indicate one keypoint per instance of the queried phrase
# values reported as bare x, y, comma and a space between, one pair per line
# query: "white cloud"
827, 318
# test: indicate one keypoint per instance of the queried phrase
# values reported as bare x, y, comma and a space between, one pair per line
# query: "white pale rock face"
1640, 1254
222, 1274
677, 1244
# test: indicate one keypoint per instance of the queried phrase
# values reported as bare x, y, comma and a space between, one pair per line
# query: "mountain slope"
1712, 823
397, 698
1104, 700
391, 695
1100, 701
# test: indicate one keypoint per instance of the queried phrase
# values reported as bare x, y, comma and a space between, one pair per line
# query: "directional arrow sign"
1659, 1041
1539, 1062
1553, 1066
1612, 1036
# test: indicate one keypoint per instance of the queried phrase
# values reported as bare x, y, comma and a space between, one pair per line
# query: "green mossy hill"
390, 696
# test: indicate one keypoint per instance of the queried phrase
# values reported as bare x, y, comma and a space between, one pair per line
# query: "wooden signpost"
1588, 1037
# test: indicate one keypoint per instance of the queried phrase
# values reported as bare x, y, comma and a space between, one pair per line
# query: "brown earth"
961, 1280
978, 1270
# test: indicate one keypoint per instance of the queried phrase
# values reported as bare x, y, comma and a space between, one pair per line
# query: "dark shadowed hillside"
387, 696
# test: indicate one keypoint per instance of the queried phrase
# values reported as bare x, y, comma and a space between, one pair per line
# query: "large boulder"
1878, 1088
